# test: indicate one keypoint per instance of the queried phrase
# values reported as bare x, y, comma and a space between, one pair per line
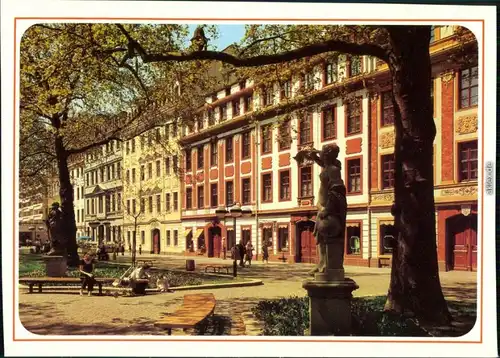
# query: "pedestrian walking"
265, 252
249, 253
122, 249
241, 252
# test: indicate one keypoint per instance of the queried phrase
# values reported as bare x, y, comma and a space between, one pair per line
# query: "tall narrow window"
309, 80
223, 112
199, 160
213, 195
167, 165
176, 238
229, 193
150, 202
229, 150
468, 161
175, 164
305, 135
355, 66
134, 206
469, 87
387, 234
167, 202
169, 242
267, 188
176, 202
119, 201
118, 170
201, 203
143, 237
306, 182
246, 191
188, 160
143, 205
189, 198
283, 239
353, 239
150, 170
267, 141
211, 117
158, 203
388, 171
387, 109
158, 168
328, 123
267, 97
133, 144
285, 193
354, 176
236, 107
245, 145
285, 136
286, 89
133, 175
330, 72
353, 114
213, 154
248, 104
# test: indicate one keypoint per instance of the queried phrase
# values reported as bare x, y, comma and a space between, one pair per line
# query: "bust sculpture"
329, 230
54, 225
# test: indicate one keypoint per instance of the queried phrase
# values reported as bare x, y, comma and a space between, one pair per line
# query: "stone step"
253, 327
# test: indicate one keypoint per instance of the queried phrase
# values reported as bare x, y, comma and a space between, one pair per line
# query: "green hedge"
290, 317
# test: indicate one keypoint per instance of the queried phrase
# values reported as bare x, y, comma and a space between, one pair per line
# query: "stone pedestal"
56, 266
330, 295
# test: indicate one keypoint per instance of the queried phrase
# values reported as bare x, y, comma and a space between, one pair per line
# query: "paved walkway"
69, 314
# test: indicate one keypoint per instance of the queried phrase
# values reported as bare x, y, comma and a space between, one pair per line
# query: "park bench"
194, 310
40, 281
218, 268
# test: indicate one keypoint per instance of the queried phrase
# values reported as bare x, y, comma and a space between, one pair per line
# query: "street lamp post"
235, 211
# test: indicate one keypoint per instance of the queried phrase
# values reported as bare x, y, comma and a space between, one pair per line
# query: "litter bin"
190, 266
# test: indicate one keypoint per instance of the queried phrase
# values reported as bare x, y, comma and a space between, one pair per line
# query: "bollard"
235, 269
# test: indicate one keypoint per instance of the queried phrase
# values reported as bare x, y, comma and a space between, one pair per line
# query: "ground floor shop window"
231, 240
246, 236
387, 238
283, 239
267, 236
353, 238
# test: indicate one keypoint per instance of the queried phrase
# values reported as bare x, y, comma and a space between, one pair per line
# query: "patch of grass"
290, 317
32, 265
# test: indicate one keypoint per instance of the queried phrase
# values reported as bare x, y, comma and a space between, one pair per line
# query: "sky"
228, 34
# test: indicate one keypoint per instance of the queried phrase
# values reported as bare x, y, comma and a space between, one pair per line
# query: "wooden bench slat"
195, 308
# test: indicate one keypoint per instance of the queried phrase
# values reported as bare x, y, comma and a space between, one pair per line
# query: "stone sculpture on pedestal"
330, 292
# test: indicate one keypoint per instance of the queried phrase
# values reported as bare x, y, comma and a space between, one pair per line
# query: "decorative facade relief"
467, 124
447, 77
463, 191
387, 140
383, 197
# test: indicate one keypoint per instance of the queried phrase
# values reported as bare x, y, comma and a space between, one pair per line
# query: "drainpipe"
257, 142
369, 157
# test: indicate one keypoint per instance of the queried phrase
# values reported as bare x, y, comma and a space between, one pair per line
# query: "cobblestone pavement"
69, 314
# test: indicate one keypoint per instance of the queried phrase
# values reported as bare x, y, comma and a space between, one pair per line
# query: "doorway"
156, 244
214, 242
462, 242
307, 243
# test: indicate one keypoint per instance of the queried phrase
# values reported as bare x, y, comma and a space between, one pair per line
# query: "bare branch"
261, 60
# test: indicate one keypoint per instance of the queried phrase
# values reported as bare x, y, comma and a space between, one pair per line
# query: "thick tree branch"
262, 60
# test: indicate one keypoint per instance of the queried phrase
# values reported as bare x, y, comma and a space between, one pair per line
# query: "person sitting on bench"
86, 268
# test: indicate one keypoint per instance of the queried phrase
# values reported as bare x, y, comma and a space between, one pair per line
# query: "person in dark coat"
241, 250
86, 276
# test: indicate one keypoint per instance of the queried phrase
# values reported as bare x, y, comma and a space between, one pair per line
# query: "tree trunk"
67, 202
134, 242
415, 287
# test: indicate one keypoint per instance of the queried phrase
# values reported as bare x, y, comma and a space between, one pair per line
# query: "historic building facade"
152, 191
76, 168
103, 193
229, 159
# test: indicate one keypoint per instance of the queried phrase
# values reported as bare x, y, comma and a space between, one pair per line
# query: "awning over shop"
187, 232
198, 233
